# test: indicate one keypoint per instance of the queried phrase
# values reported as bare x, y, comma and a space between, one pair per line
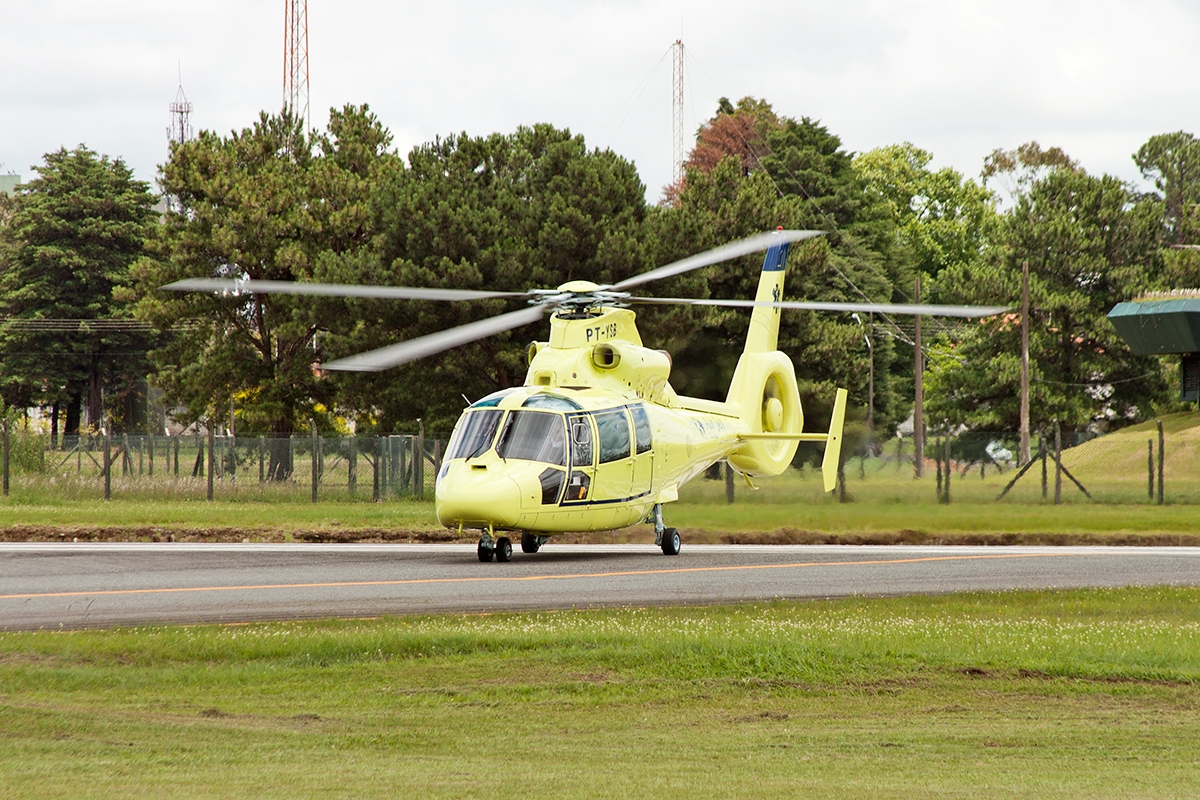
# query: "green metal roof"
1153, 327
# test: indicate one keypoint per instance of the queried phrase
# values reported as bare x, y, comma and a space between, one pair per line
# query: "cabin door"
614, 461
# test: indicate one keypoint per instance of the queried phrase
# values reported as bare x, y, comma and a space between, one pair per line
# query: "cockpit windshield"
475, 433
534, 436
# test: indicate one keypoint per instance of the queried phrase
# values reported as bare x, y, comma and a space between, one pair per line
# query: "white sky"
955, 77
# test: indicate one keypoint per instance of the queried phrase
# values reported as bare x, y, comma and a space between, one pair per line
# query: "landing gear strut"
666, 538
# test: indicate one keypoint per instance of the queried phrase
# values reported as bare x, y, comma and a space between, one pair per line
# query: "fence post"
1057, 463
107, 466
141, 455
312, 425
262, 453
126, 462
419, 463
729, 485
152, 455
937, 457
1150, 470
376, 467
949, 469
211, 459
176, 449
352, 467
841, 478
1161, 454
6, 456
1042, 452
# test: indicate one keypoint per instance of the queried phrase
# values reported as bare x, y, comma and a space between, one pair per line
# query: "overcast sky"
955, 77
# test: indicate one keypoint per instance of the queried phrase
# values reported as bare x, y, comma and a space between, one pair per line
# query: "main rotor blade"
754, 244
402, 353
235, 287
877, 308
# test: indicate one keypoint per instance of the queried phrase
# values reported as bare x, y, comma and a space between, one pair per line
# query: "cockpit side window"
641, 428
613, 427
581, 440
534, 436
475, 433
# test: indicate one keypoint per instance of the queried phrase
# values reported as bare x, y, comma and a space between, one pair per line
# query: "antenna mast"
295, 58
181, 112
179, 131
677, 153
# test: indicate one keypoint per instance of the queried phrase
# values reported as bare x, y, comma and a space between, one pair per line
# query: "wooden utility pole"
871, 374
1023, 450
918, 392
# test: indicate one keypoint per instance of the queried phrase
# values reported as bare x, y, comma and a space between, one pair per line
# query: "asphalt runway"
62, 586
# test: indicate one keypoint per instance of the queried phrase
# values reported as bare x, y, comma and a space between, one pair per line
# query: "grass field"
886, 504
1047, 694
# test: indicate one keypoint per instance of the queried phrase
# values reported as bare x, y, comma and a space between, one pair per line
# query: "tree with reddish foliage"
739, 131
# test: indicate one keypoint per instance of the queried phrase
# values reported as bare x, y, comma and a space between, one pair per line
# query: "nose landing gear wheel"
485, 550
531, 543
671, 542
503, 549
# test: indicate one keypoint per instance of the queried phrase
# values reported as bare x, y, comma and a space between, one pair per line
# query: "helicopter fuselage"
593, 441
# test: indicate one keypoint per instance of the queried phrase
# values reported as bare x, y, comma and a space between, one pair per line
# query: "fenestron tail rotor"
575, 297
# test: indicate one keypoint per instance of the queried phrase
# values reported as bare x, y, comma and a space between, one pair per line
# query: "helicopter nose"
469, 494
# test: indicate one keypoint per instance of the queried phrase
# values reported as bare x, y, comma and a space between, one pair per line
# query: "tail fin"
763, 335
763, 389
833, 444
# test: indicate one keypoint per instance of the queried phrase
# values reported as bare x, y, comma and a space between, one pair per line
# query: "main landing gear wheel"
531, 543
671, 541
485, 550
503, 549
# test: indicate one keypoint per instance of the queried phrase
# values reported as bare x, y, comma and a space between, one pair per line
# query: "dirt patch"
636, 535
917, 537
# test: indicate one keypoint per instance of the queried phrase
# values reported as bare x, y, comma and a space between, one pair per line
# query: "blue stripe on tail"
776, 259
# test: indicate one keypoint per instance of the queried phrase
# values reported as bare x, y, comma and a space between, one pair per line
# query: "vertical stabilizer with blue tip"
764, 389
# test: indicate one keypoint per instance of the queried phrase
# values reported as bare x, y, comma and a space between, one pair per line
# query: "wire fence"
195, 466
1140, 465
1145, 464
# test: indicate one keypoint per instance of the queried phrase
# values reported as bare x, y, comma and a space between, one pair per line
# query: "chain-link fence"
1144, 464
198, 466
1133, 465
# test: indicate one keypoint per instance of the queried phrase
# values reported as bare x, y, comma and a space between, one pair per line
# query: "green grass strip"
1021, 694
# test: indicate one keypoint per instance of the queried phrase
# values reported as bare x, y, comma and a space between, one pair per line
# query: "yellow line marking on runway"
520, 578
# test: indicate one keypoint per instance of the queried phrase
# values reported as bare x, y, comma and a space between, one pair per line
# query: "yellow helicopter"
596, 439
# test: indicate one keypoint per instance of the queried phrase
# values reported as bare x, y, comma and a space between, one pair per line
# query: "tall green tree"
940, 217
799, 177
72, 234
1091, 242
1172, 162
531, 209
270, 202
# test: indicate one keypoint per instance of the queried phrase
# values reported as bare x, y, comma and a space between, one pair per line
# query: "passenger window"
613, 427
641, 427
581, 441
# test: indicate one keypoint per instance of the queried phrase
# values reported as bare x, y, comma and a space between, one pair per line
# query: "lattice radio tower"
179, 131
677, 152
295, 58
181, 118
